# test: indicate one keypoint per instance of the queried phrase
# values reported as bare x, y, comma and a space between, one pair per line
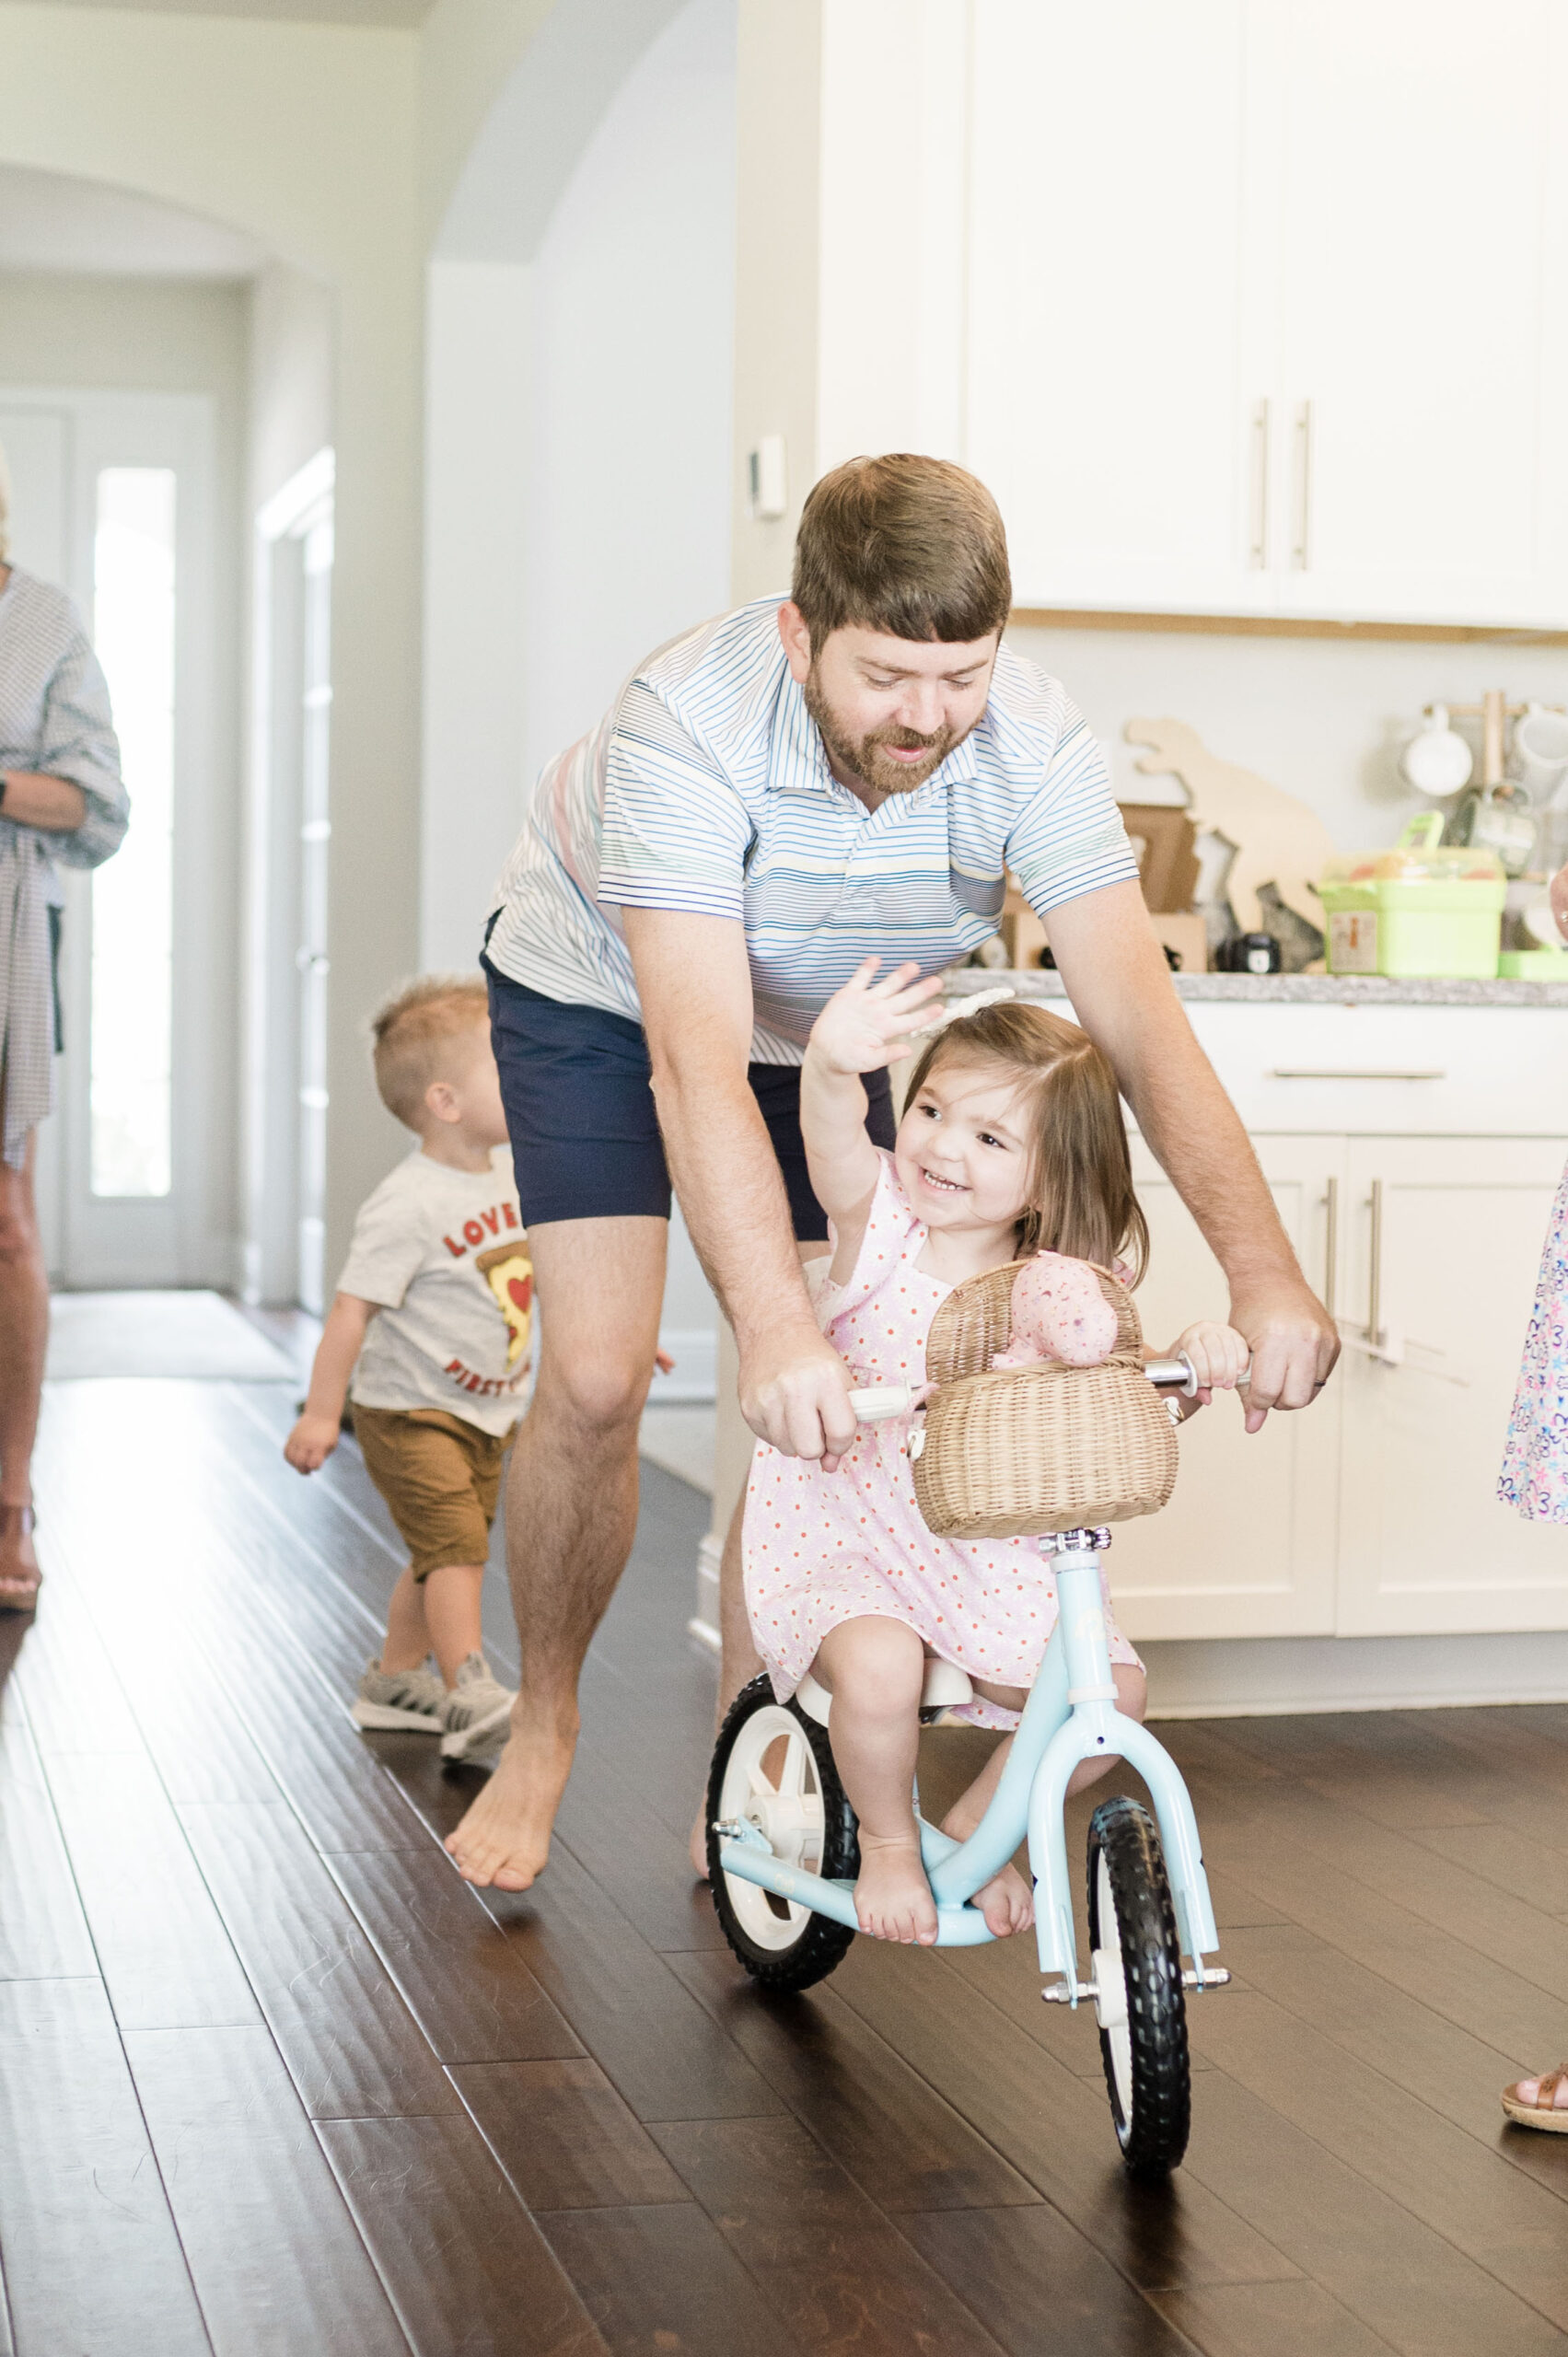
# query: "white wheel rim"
782, 1797
1110, 1991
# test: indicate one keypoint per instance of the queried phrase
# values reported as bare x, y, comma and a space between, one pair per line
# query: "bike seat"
946, 1688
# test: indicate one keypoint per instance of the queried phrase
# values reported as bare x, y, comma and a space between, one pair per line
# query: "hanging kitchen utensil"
1495, 815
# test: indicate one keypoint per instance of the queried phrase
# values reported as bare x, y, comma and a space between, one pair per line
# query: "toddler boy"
431, 1322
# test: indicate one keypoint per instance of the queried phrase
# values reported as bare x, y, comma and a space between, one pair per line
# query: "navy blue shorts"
580, 1112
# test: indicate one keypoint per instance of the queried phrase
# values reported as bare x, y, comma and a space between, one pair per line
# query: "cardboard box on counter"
1187, 936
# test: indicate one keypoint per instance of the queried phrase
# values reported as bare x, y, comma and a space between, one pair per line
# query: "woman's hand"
1558, 895
1218, 1355
868, 1026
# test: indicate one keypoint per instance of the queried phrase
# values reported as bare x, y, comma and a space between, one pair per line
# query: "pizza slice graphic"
508, 1272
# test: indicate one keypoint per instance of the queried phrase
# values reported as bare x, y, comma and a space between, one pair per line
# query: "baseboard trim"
1264, 1677
705, 1622
695, 1351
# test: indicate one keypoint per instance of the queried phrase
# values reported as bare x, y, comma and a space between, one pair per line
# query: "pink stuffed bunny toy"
1059, 1312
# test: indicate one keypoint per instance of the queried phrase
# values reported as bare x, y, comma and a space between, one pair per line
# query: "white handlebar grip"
876, 1406
1179, 1374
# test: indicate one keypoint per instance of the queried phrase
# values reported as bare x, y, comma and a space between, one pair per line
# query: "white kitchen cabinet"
1423, 255
1247, 1546
1105, 314
1440, 1246
1265, 307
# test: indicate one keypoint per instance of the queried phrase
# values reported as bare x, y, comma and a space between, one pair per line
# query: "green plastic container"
1416, 909
1534, 966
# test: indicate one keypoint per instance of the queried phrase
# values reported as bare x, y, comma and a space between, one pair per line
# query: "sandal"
1545, 2112
21, 1583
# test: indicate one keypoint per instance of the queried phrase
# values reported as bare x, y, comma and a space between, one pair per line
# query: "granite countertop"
1300, 990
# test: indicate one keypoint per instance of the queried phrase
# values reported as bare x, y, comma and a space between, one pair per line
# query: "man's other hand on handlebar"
795, 1393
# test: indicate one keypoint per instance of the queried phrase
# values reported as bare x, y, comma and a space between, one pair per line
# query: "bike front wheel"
773, 1767
1141, 2006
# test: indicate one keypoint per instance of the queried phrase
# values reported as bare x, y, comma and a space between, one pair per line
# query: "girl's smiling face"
963, 1150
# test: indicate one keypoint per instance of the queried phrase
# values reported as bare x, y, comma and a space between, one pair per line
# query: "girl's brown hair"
1081, 1176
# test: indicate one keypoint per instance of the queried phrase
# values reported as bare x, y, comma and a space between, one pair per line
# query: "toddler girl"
1012, 1142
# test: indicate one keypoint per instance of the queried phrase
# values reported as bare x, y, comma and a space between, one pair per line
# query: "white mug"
1541, 750
1439, 761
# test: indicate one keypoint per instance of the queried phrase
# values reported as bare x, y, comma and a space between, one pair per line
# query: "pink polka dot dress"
821, 1547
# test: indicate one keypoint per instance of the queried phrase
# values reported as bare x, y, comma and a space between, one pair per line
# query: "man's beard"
864, 757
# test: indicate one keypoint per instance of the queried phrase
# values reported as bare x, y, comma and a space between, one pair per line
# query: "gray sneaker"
412, 1698
477, 1714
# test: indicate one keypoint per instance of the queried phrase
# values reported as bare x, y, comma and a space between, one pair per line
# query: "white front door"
113, 499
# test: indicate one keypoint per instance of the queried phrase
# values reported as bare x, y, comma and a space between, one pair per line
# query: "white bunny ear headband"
962, 1008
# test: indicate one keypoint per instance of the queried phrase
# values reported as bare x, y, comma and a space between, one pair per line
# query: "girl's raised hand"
868, 1025
1218, 1353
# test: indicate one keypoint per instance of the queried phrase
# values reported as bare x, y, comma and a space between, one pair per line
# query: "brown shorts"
440, 1479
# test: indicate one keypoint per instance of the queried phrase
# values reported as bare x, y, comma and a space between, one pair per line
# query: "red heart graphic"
521, 1292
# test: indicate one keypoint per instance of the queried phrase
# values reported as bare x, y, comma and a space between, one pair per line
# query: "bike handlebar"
881, 1403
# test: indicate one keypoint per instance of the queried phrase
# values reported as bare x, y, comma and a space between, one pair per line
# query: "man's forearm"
727, 1177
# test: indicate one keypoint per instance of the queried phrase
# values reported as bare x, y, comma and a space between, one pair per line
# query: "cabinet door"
1106, 402
1447, 1273
1420, 191
1245, 1546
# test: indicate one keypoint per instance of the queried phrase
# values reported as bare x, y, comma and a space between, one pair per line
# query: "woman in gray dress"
61, 800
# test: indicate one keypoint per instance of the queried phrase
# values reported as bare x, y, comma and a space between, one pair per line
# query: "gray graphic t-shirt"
445, 1255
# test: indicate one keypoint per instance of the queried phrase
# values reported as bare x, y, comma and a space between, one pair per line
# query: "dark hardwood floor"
273, 2080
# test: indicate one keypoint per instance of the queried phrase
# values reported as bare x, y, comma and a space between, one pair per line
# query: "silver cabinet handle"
1362, 1071
1330, 1242
1259, 550
1374, 1280
1299, 552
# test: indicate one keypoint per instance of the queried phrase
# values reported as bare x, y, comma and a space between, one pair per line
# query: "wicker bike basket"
1019, 1451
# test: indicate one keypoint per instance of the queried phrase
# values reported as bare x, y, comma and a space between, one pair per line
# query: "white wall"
1323, 718
579, 333
479, 345
629, 486
305, 137
629, 492
72, 330
292, 336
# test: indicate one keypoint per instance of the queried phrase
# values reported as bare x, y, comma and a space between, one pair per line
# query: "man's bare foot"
892, 1898
504, 1837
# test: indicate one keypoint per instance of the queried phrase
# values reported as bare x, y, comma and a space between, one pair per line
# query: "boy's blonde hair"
414, 1033
1082, 1200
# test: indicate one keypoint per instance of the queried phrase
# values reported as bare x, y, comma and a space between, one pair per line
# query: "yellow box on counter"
1417, 909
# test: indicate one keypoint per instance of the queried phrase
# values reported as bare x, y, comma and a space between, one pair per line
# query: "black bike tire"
821, 1943
1154, 2138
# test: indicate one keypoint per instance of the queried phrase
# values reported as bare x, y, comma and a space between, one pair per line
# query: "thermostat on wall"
767, 481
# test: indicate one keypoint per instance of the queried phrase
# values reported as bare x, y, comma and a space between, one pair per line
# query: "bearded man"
771, 799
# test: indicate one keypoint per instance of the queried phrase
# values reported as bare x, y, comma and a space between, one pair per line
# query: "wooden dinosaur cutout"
1277, 839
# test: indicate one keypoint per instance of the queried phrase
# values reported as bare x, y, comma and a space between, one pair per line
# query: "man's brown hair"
414, 1033
1082, 1199
912, 547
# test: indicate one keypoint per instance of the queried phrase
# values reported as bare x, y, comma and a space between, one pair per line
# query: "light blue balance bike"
783, 1853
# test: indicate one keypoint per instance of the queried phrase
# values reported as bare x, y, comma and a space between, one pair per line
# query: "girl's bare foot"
504, 1837
1006, 1903
892, 1898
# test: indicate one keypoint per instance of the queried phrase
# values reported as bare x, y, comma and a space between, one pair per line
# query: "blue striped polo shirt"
706, 788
